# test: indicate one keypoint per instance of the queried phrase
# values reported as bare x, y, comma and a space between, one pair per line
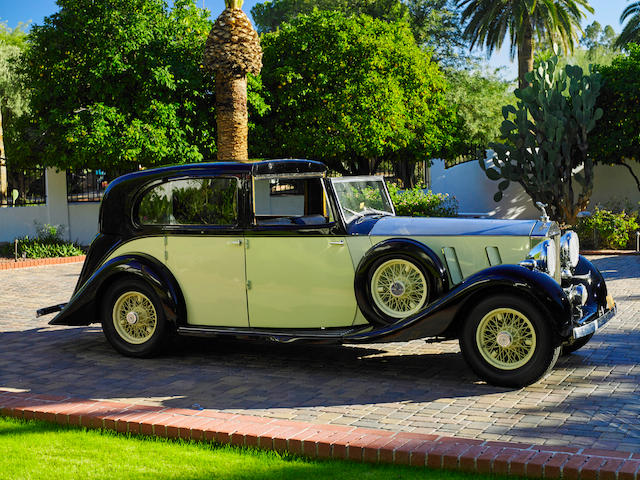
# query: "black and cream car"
275, 250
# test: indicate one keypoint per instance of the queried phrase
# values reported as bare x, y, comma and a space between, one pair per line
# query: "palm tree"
631, 31
232, 50
526, 21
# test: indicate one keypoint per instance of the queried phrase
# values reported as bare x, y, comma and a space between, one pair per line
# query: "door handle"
337, 242
235, 242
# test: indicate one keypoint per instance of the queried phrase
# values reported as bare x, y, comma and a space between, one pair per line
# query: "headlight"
569, 250
545, 256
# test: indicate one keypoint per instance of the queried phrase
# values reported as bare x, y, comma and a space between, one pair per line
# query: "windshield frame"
359, 178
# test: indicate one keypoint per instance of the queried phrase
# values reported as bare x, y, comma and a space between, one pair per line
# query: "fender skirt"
84, 306
441, 316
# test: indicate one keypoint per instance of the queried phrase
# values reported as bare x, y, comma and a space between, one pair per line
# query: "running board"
281, 336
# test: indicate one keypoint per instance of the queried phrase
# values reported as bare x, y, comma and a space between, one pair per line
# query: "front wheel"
507, 342
132, 319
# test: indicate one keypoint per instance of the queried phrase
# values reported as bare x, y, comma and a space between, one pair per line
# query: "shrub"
419, 202
47, 243
608, 229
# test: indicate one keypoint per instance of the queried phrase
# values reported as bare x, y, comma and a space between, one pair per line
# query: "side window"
194, 201
290, 201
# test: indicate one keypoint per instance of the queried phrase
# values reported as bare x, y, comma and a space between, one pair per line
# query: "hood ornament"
544, 217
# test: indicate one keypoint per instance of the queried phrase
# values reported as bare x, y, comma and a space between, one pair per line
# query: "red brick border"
328, 441
38, 262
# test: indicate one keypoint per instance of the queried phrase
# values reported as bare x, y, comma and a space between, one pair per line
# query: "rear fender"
84, 306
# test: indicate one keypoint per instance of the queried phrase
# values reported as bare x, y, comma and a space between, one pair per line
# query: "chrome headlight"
544, 255
569, 249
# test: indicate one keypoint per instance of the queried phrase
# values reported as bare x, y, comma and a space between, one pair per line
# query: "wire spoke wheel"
134, 317
506, 338
399, 288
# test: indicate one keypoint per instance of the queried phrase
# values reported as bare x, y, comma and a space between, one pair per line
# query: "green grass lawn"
38, 450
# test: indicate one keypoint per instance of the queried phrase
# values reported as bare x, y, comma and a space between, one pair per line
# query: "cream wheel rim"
506, 338
398, 288
134, 317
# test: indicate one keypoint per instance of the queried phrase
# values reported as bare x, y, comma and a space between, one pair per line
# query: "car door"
204, 248
298, 274
299, 282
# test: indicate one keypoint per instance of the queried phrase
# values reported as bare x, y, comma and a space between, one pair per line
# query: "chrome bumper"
592, 326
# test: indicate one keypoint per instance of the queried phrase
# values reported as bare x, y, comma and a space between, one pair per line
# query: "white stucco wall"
475, 191
83, 221
21, 221
79, 220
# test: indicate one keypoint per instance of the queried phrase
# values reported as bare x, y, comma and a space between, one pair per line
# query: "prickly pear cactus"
546, 139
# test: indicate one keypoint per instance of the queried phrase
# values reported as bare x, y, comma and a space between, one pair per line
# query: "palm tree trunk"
525, 53
232, 117
3, 168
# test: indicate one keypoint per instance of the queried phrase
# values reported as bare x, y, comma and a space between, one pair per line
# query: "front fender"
83, 308
586, 273
441, 317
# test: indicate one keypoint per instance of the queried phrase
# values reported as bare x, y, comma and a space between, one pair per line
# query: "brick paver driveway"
592, 398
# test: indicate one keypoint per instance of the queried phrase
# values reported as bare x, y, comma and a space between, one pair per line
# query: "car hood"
432, 226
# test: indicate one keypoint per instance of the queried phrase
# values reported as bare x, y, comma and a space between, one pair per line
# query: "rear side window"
193, 201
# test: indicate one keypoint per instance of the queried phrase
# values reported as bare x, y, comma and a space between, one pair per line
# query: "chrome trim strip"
598, 323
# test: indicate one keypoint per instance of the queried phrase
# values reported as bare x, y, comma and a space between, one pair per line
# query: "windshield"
360, 196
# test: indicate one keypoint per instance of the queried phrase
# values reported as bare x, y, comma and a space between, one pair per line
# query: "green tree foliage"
597, 46
435, 24
617, 138
269, 15
631, 31
120, 83
547, 139
479, 96
14, 95
352, 92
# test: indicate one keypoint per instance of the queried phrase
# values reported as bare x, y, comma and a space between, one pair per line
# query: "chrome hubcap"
504, 339
397, 289
132, 318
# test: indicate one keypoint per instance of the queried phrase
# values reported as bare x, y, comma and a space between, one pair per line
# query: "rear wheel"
507, 342
132, 318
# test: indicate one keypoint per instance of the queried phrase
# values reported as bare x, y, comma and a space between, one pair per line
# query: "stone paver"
589, 400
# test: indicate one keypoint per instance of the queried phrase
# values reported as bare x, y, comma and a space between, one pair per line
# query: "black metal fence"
84, 185
473, 154
24, 187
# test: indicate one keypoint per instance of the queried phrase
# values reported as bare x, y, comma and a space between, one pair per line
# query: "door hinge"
248, 284
166, 252
246, 243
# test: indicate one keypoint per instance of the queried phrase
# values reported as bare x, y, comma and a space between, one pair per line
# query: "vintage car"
275, 250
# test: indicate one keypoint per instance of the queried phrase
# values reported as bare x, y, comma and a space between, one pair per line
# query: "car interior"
290, 201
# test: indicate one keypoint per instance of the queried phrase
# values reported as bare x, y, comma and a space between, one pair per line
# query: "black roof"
120, 194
